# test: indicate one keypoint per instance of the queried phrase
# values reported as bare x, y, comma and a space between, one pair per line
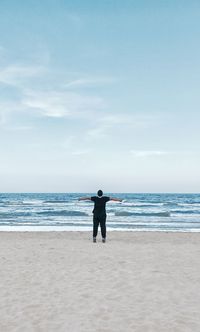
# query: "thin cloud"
98, 132
81, 152
47, 102
88, 82
118, 122
20, 128
133, 120
17, 75
60, 104
148, 153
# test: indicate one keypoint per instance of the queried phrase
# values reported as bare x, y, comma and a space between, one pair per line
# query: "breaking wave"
64, 213
145, 214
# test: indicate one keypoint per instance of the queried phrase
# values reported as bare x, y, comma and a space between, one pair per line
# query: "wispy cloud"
148, 153
48, 101
81, 152
45, 101
98, 132
89, 82
74, 146
59, 104
106, 124
19, 128
17, 75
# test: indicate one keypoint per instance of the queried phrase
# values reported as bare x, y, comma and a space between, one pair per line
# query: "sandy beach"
61, 281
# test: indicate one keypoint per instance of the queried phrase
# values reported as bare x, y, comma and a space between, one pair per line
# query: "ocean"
63, 211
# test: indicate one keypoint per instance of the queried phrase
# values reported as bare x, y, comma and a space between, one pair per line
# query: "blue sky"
99, 94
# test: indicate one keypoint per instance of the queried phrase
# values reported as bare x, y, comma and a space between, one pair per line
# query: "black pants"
101, 219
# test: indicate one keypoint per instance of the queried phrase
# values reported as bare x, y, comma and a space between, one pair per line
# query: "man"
99, 212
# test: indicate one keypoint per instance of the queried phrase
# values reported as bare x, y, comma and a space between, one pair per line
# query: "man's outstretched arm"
116, 199
84, 199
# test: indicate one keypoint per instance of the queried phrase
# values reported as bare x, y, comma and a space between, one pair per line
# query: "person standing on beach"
99, 212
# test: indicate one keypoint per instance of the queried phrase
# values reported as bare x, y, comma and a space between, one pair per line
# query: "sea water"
63, 211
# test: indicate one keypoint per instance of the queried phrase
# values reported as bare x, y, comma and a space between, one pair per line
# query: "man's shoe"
103, 240
94, 239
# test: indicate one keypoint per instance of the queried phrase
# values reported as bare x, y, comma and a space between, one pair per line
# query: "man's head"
100, 193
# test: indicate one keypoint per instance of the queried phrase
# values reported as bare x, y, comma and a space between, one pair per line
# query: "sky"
99, 94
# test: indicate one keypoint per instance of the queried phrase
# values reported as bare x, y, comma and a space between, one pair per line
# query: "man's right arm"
84, 199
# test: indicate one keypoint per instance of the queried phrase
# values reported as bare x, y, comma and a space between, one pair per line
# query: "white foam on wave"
89, 229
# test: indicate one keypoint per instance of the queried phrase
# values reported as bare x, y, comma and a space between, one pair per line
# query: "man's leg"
103, 227
95, 226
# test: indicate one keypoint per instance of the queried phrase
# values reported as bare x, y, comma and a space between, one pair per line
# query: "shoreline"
67, 229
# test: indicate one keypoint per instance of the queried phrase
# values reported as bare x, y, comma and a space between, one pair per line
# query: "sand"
137, 281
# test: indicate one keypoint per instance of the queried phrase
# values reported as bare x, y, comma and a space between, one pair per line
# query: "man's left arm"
115, 199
